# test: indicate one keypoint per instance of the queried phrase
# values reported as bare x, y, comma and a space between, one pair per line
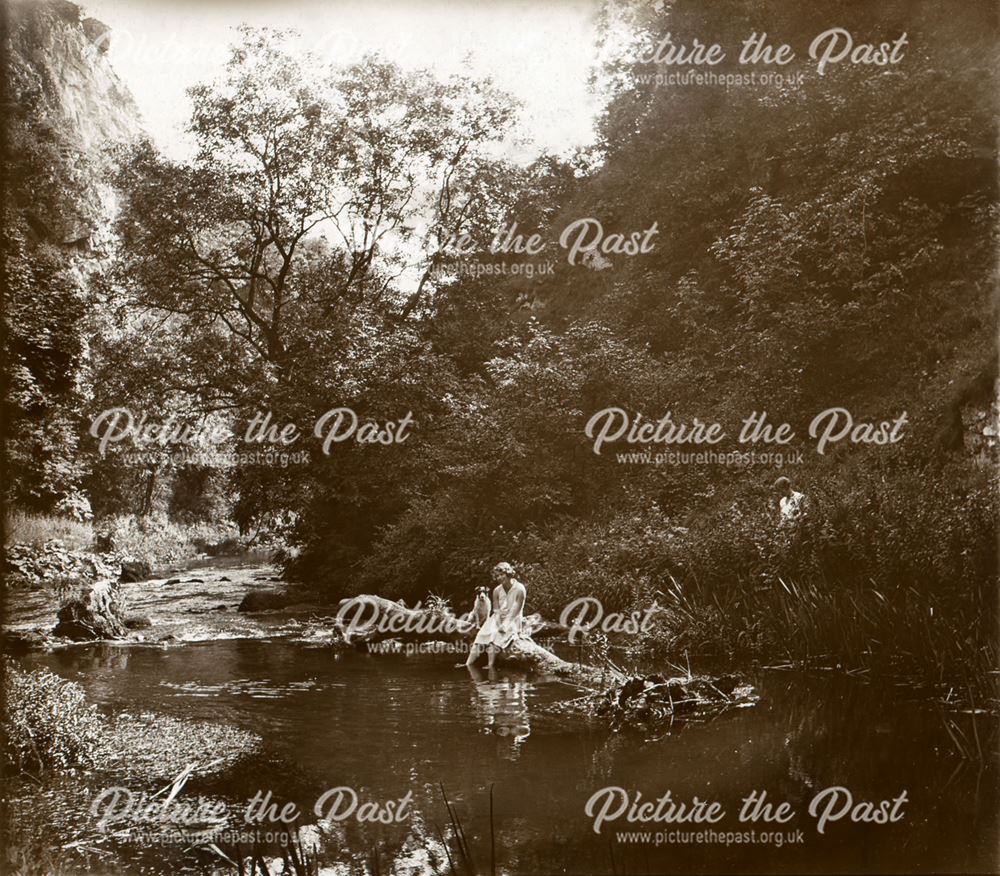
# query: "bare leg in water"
474, 652
491, 656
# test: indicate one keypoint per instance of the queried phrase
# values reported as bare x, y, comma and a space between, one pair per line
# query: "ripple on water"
258, 688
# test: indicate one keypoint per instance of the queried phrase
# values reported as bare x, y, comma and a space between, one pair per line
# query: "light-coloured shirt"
792, 506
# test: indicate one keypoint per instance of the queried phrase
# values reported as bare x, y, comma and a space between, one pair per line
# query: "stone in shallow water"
136, 570
94, 614
264, 600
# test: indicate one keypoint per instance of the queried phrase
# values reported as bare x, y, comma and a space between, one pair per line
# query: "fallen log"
367, 619
650, 704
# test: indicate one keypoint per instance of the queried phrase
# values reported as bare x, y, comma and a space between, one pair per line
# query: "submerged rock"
264, 600
92, 615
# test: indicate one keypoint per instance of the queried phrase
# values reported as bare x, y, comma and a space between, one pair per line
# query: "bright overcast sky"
541, 52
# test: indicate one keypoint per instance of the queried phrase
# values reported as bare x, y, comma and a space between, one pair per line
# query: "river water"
390, 724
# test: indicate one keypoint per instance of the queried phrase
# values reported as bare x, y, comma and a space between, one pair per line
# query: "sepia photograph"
500, 437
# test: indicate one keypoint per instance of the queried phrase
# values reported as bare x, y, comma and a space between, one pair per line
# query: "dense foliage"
48, 721
826, 242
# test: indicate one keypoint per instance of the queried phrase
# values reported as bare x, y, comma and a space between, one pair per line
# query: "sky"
541, 52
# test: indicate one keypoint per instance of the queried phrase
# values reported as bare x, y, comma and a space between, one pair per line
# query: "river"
391, 724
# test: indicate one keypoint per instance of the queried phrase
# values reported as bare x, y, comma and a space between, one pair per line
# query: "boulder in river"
264, 600
95, 613
137, 622
136, 570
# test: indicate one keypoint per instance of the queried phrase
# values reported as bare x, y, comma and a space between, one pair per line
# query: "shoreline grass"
155, 539
28, 527
49, 724
901, 633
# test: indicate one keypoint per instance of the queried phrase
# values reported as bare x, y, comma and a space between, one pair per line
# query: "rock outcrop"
64, 108
94, 614
69, 106
31, 566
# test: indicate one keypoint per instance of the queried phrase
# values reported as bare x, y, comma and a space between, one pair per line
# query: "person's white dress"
506, 622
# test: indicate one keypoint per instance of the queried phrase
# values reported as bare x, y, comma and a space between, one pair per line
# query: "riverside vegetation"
831, 244
52, 733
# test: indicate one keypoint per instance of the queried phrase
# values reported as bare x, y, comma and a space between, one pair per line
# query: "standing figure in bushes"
791, 503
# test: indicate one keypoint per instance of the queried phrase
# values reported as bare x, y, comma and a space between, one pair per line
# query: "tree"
312, 191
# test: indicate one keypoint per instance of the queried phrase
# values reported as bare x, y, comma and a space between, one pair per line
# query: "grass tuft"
26, 527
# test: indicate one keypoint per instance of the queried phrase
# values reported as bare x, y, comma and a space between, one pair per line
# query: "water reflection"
386, 725
502, 705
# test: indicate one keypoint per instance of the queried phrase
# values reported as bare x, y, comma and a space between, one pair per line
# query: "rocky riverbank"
29, 566
203, 600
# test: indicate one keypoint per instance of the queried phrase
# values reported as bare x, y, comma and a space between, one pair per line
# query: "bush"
895, 573
48, 724
76, 506
156, 539
47, 721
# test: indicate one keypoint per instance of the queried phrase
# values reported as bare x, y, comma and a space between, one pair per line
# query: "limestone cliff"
64, 108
